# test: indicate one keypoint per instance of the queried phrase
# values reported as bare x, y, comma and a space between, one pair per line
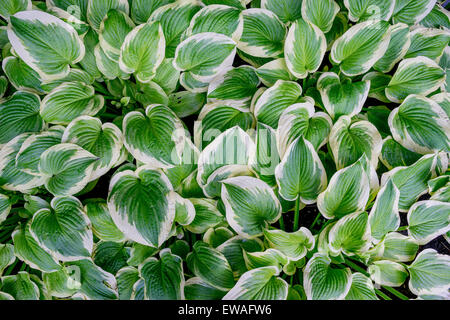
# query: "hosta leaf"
47, 44
113, 30
349, 141
126, 278
143, 51
301, 173
97, 10
216, 118
20, 286
274, 70
412, 12
174, 19
322, 281
139, 205
21, 76
167, 76
19, 114
102, 140
110, 256
437, 17
294, 245
193, 85
27, 249
259, 284
65, 221
396, 247
350, 235
269, 257
206, 215
251, 205
156, 138
263, 34
108, 67
428, 220
184, 209
197, 289
393, 154
5, 207
217, 18
164, 278
70, 100
429, 273
6, 296
286, 10
360, 10
6, 256
359, 48
66, 168
211, 266
428, 43
216, 236
412, 180
320, 12
193, 55
384, 215
398, 47
11, 177
347, 192
361, 288
10, 7
275, 100
304, 48
141, 10
342, 97
420, 125
73, 75
387, 273
378, 83
419, 75
102, 225
234, 87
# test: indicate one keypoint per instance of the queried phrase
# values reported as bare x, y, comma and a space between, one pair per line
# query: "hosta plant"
224, 149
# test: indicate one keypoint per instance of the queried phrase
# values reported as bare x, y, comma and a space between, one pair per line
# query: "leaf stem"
315, 220
297, 214
281, 222
402, 228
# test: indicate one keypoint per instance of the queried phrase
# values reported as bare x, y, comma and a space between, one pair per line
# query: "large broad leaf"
419, 75
384, 215
342, 97
429, 273
206, 215
6, 256
420, 125
361, 10
411, 11
304, 48
102, 140
398, 46
251, 205
20, 286
395, 247
5, 207
141, 10
110, 256
275, 100
274, 70
70, 100
393, 154
286, 10
350, 140
350, 235
10, 7
263, 34
164, 278
301, 173
139, 205
378, 83
143, 51
361, 288
412, 180
184, 209
21, 76
88, 63
63, 230
294, 245
47, 44
126, 278
19, 114
269, 257
429, 43
217, 18
322, 281
428, 220
109, 68
347, 192
361, 47
156, 138
437, 17
197, 289
301, 119
27, 249
193, 55
320, 12
66, 168
259, 284
97, 10
387, 273
211, 266
174, 19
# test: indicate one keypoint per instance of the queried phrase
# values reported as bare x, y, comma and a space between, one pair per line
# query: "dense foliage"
224, 149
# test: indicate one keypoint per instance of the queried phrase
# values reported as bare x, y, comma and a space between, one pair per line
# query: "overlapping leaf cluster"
224, 149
